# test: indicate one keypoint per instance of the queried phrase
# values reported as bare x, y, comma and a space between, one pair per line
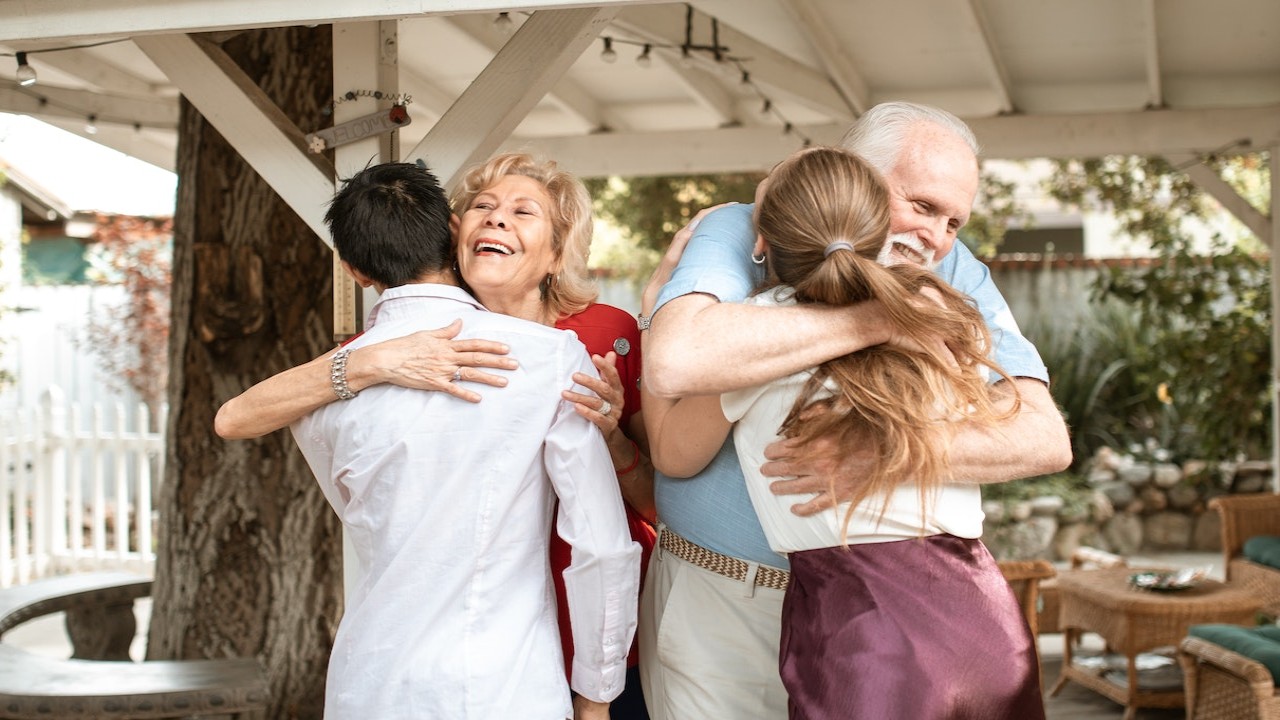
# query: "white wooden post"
8, 478
53, 481
121, 457
142, 507
1275, 317
99, 516
75, 492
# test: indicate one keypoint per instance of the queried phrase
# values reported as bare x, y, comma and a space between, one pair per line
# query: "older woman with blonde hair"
522, 229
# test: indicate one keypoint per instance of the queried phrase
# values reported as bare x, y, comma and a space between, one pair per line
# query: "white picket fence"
76, 487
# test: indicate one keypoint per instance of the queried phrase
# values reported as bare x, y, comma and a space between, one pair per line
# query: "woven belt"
731, 568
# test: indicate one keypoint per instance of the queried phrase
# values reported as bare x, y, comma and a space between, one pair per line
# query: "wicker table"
1133, 621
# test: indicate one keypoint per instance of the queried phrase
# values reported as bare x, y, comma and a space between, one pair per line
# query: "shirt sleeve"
603, 578
718, 259
970, 276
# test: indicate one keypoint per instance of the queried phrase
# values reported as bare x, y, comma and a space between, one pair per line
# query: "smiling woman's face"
505, 244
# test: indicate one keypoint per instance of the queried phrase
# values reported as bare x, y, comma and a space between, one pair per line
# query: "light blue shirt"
712, 508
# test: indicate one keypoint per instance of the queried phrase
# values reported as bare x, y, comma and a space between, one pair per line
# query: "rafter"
249, 120
783, 76
993, 64
76, 20
52, 101
834, 59
566, 94
1155, 92
1212, 184
1009, 137
518, 76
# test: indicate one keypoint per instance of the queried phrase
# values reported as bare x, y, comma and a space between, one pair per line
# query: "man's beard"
915, 251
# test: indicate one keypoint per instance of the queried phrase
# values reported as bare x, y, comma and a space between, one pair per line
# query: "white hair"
879, 135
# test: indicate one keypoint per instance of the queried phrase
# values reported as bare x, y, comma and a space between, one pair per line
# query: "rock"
1118, 493
1071, 536
1153, 498
1075, 514
1166, 475
1183, 497
1101, 476
1031, 539
1047, 505
1137, 474
1123, 534
1168, 531
1101, 509
994, 512
1250, 483
1020, 511
1191, 469
1106, 459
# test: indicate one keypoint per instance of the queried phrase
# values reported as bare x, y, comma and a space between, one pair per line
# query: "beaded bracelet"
634, 462
338, 375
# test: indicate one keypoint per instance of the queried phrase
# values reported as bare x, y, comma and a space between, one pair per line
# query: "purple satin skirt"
922, 629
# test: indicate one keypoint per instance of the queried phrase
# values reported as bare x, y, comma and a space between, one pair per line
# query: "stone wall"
1130, 506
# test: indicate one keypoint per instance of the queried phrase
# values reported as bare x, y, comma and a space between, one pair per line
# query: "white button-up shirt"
448, 506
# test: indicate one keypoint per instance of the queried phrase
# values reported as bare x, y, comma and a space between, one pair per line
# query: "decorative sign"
358, 129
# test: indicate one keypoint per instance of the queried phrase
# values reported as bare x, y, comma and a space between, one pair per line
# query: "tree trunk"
249, 553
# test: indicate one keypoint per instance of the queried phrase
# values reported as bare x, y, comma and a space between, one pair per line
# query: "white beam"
1155, 132
76, 20
834, 58
1211, 183
769, 68
566, 94
249, 121
1155, 92
706, 90
149, 112
992, 64
518, 76
95, 71
151, 146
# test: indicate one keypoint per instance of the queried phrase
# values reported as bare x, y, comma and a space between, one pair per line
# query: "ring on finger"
457, 375
605, 407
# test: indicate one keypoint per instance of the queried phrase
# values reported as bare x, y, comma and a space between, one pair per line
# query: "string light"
504, 24
26, 73
643, 60
609, 55
91, 126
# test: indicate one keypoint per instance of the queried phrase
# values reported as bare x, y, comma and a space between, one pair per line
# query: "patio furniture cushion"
1257, 643
1263, 549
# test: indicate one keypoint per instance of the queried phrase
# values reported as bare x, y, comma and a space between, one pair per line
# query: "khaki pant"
708, 645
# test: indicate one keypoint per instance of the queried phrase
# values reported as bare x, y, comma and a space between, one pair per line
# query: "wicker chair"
1083, 557
1224, 685
1243, 517
1024, 577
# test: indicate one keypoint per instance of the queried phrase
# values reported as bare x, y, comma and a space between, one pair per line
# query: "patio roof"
731, 84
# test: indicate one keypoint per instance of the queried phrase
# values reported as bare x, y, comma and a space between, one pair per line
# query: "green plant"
1201, 377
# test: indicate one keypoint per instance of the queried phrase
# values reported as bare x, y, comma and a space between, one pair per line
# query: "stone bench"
99, 680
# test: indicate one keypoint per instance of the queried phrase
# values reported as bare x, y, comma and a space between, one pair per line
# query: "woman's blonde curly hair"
569, 290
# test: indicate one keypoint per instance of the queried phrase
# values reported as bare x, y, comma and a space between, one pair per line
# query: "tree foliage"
1200, 385
131, 340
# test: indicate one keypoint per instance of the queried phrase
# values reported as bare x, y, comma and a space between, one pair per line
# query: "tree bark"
249, 554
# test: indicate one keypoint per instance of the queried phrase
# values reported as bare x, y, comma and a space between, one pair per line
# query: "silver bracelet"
642, 321
338, 374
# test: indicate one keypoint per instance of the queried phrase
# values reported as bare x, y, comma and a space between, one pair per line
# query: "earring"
544, 287
757, 259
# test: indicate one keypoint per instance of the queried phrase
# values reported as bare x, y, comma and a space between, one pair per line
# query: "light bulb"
91, 126
643, 60
504, 23
608, 54
26, 73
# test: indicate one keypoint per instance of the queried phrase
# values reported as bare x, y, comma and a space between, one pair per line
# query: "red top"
603, 328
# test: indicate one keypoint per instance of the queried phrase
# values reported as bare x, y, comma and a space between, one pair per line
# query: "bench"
99, 680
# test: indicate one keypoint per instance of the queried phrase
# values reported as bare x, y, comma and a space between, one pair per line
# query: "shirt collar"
387, 308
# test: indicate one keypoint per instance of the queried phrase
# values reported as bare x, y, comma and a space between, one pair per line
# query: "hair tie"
837, 245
